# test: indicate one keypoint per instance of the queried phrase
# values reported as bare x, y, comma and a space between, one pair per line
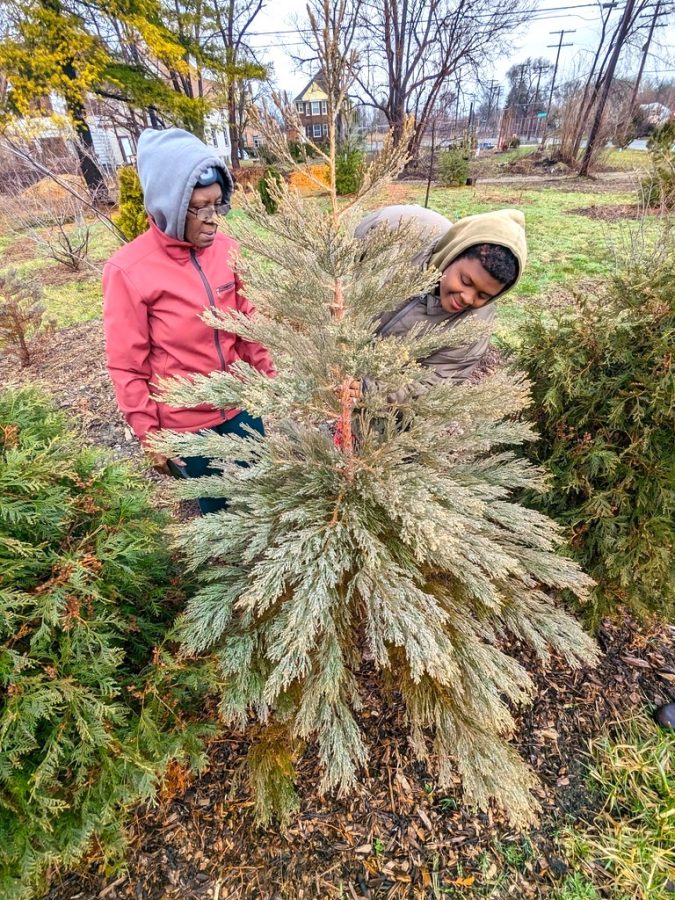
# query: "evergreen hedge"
90, 698
349, 167
132, 219
453, 166
602, 382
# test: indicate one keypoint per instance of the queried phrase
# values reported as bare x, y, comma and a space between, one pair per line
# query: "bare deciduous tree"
410, 51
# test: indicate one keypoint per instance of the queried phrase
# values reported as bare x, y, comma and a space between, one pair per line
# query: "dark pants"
198, 466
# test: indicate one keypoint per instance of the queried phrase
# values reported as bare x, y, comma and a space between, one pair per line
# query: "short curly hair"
498, 261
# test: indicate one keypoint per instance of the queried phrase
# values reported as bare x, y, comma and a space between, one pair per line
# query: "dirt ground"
397, 836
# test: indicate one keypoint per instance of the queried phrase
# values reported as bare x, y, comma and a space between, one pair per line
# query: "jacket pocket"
223, 289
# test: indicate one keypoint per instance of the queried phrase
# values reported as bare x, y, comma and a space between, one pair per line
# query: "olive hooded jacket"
505, 227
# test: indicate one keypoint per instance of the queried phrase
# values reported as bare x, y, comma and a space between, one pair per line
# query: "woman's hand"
160, 463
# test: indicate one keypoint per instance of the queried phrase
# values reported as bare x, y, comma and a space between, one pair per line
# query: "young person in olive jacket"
156, 287
481, 258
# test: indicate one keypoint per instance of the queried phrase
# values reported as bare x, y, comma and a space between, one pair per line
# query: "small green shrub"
514, 143
266, 190
658, 187
602, 386
92, 706
349, 171
266, 155
132, 218
21, 315
453, 167
297, 151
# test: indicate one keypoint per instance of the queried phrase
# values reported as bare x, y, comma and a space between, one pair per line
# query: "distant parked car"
486, 145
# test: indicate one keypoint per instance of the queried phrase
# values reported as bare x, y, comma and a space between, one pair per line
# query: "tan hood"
505, 227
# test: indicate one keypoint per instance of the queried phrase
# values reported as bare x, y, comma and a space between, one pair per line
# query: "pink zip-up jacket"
155, 289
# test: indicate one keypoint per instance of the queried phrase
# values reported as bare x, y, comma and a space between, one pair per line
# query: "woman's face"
202, 234
466, 284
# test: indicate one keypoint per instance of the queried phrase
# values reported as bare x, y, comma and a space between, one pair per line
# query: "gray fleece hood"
169, 163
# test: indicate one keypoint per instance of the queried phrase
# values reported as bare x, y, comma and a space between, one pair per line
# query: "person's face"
466, 284
202, 234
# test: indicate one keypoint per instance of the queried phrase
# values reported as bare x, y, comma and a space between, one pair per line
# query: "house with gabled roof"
312, 107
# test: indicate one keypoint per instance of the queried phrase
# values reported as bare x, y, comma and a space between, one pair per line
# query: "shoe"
665, 715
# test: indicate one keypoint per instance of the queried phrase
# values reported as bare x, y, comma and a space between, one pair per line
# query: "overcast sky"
277, 42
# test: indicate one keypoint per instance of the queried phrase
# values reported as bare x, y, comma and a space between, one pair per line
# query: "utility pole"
539, 69
645, 53
560, 45
609, 76
492, 87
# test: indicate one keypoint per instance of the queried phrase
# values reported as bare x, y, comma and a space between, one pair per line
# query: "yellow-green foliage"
132, 219
633, 837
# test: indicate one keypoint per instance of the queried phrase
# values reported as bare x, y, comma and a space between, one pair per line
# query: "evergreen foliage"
267, 188
658, 187
21, 315
453, 167
603, 402
89, 706
349, 171
132, 219
402, 547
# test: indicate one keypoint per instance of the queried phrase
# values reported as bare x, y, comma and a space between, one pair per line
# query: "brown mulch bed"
609, 213
70, 365
396, 836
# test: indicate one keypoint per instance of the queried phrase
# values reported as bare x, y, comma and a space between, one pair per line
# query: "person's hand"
160, 463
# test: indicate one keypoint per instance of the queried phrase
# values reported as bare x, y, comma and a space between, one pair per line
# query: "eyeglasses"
208, 213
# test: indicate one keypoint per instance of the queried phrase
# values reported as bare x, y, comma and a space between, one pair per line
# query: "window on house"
324, 128
317, 131
308, 109
308, 130
257, 140
126, 147
300, 107
316, 108
324, 108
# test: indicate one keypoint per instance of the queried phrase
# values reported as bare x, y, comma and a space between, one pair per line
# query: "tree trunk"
89, 168
232, 123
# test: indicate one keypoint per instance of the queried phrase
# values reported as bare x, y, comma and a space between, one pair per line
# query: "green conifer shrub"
349, 171
21, 315
453, 167
401, 550
132, 218
658, 186
267, 186
602, 383
90, 699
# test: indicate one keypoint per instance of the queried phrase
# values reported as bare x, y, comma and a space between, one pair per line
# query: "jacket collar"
178, 250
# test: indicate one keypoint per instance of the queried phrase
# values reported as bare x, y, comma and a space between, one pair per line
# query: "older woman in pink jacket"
156, 287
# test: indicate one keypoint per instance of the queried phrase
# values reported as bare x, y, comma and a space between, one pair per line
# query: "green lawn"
565, 248
68, 300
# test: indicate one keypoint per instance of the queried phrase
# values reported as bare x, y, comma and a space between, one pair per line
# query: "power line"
536, 13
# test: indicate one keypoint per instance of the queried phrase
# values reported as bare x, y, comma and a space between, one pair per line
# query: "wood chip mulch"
397, 835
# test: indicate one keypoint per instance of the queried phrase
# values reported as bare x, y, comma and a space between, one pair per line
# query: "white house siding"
217, 134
